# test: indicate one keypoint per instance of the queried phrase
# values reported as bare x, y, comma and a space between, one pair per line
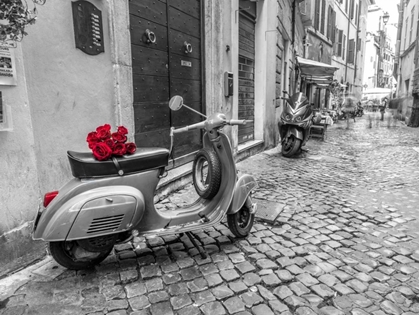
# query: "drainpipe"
293, 40
347, 38
357, 40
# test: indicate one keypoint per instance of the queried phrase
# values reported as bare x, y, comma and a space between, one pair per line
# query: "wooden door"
246, 75
166, 63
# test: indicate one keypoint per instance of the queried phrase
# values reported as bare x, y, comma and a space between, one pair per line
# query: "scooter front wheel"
241, 222
72, 256
290, 146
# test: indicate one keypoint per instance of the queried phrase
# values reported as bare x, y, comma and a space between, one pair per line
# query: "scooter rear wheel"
290, 146
241, 222
72, 256
206, 173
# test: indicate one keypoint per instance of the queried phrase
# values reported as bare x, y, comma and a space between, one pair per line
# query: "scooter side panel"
108, 214
70, 221
245, 184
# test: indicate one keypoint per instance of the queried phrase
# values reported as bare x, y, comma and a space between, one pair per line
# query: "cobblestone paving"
344, 240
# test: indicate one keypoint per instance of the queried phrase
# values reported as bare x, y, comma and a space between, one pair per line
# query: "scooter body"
295, 123
110, 202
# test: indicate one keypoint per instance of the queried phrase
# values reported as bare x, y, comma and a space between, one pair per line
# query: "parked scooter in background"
110, 202
295, 123
359, 110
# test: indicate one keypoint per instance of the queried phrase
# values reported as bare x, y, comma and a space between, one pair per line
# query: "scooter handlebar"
190, 127
238, 122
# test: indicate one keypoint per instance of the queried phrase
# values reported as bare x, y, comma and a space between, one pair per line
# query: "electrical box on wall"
228, 84
5, 116
88, 29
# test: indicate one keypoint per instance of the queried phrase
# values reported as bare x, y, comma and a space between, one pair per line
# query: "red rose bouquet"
105, 144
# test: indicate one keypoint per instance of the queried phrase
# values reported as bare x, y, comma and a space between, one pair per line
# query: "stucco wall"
71, 93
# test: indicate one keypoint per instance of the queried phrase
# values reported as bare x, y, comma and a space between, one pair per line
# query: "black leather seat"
84, 165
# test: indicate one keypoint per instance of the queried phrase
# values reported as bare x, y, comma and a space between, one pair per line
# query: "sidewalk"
336, 233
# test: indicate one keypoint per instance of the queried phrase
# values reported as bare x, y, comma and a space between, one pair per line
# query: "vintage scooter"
295, 123
110, 202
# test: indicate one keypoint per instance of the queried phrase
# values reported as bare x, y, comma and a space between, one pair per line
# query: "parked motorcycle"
110, 202
295, 123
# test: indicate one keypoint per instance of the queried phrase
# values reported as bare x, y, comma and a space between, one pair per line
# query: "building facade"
221, 56
407, 58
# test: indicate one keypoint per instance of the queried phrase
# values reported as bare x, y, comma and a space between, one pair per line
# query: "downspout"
293, 41
396, 72
357, 40
347, 38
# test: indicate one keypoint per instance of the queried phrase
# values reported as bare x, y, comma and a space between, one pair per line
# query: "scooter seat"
84, 164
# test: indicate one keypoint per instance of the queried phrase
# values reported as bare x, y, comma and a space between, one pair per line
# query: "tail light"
48, 197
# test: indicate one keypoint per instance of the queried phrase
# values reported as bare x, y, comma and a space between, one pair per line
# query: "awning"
315, 70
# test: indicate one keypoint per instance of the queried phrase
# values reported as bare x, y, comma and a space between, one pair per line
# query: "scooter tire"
206, 189
241, 222
288, 150
63, 256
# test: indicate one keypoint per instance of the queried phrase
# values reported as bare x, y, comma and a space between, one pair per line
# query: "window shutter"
329, 23
339, 42
344, 47
350, 55
333, 28
359, 44
317, 4
351, 9
323, 17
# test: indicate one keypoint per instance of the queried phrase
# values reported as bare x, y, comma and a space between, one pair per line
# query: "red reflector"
48, 197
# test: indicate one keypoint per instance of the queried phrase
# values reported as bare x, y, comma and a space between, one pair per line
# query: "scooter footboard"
101, 211
245, 184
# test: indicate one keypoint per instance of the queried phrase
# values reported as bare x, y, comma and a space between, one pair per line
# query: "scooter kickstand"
194, 241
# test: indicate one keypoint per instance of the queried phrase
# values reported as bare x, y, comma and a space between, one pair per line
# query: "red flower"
131, 147
119, 137
104, 132
110, 143
119, 149
101, 151
123, 130
92, 137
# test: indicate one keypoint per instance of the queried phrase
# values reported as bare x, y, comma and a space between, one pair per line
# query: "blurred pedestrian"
349, 107
383, 107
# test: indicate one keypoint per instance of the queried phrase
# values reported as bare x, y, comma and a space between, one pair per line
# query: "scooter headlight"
298, 119
287, 117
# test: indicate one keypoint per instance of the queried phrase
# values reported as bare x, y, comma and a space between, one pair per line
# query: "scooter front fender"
296, 132
96, 212
245, 184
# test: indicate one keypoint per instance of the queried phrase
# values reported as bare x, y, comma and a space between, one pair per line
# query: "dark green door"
166, 52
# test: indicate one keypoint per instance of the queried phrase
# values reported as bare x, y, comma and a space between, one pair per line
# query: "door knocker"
151, 37
188, 48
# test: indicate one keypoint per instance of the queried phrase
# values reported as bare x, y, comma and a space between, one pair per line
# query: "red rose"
119, 137
131, 147
123, 130
101, 151
119, 149
104, 132
92, 137
110, 143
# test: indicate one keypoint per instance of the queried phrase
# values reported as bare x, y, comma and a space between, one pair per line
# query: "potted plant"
15, 15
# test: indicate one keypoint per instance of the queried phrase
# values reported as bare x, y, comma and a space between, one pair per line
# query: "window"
407, 85
317, 9
339, 43
411, 28
350, 54
356, 15
359, 44
346, 6
344, 47
323, 17
351, 9
406, 28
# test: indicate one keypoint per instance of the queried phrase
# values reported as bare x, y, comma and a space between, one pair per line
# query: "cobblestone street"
337, 232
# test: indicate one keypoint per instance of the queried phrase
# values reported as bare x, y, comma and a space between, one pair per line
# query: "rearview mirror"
176, 102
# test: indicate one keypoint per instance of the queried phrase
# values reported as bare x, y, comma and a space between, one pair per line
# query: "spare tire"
207, 173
